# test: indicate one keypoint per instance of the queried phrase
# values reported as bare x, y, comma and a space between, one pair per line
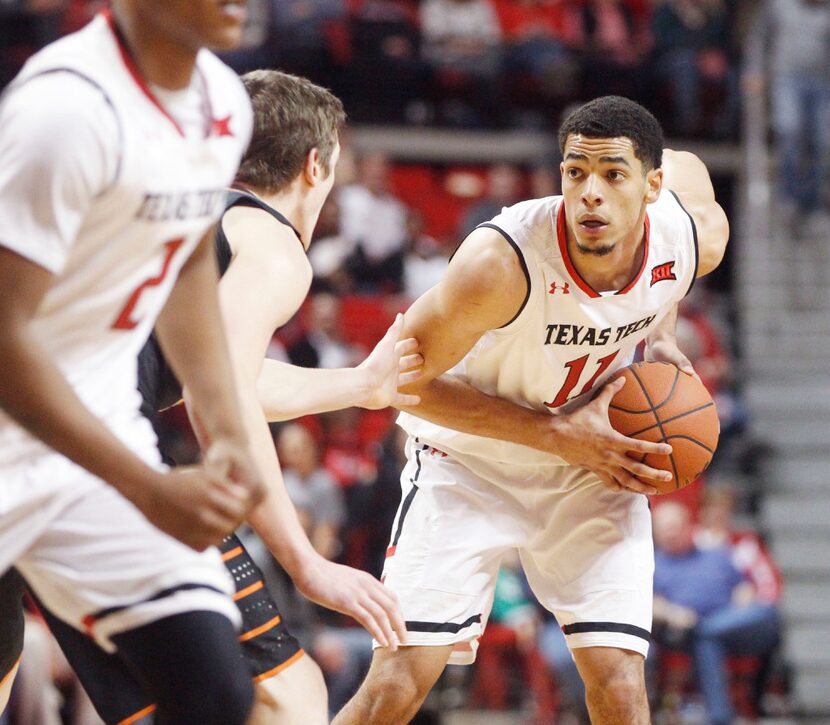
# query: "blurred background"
453, 108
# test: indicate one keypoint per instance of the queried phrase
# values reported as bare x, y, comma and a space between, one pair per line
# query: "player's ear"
313, 167
654, 185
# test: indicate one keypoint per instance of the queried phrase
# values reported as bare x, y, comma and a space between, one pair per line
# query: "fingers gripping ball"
659, 403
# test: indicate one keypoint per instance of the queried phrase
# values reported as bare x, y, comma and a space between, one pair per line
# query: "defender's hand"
391, 365
586, 439
358, 595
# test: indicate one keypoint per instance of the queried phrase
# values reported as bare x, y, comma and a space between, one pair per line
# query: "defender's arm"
264, 286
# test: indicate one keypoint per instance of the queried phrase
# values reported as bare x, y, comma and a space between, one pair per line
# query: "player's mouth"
592, 224
235, 11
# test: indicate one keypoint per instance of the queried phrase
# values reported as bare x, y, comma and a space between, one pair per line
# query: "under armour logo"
221, 126
566, 288
662, 272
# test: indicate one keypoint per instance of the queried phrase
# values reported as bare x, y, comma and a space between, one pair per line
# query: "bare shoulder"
687, 176
257, 235
267, 256
488, 274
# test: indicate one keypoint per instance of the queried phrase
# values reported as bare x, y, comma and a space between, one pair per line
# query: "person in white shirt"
116, 144
511, 446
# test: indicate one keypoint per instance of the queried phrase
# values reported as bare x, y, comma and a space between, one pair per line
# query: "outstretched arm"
483, 288
288, 391
264, 286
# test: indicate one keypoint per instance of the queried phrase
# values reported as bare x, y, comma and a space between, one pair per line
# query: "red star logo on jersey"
662, 272
221, 126
565, 288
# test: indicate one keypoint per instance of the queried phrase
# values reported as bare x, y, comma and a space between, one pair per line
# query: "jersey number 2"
125, 320
575, 370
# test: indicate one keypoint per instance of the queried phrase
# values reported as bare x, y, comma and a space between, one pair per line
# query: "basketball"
661, 404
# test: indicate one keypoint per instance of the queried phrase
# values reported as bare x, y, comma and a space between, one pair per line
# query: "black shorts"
267, 646
11, 621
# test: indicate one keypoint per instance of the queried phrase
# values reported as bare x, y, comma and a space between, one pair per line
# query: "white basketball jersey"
567, 339
115, 268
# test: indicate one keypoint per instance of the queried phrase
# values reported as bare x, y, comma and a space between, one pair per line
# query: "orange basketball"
659, 403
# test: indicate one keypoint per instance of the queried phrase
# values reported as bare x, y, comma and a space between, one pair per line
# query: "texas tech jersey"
110, 190
567, 339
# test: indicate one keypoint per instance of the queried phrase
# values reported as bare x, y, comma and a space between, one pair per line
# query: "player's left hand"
356, 594
668, 352
391, 365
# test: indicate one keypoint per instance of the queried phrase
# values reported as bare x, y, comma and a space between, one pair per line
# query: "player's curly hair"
292, 115
612, 116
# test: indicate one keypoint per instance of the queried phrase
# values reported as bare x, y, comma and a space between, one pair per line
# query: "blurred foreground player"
116, 145
509, 450
270, 215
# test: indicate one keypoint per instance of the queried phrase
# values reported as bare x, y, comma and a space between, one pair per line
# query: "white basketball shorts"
587, 551
93, 558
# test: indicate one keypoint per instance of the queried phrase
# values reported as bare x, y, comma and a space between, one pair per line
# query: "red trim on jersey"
639, 274
562, 237
133, 69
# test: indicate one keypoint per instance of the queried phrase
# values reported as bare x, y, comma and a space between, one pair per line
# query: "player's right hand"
194, 506
585, 438
201, 505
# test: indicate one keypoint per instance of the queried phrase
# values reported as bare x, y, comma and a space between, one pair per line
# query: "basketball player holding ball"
511, 445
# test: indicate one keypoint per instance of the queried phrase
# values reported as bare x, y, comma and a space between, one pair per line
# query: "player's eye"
573, 173
615, 175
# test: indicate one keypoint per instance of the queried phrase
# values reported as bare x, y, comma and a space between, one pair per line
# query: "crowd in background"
475, 63
384, 238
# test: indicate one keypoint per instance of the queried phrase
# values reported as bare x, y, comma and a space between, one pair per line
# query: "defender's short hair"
612, 116
292, 115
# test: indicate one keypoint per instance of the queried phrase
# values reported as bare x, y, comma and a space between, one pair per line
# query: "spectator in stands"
716, 528
462, 46
800, 96
329, 251
323, 345
701, 339
504, 188
318, 501
534, 32
311, 37
425, 260
374, 221
255, 50
692, 47
385, 497
703, 604
26, 26
344, 654
614, 48
386, 34
545, 181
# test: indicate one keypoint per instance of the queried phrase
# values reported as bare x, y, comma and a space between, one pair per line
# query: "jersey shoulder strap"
240, 197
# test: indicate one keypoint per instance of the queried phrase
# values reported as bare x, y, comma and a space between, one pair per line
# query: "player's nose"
591, 191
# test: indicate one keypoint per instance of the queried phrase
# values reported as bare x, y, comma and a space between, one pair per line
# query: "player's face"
606, 190
216, 24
